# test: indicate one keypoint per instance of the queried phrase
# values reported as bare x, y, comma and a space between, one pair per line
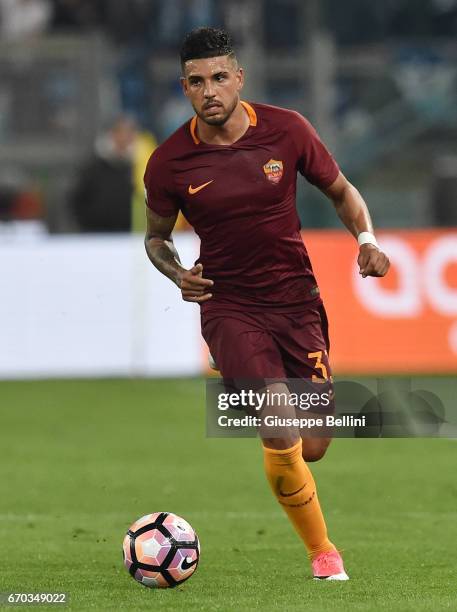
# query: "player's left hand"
372, 261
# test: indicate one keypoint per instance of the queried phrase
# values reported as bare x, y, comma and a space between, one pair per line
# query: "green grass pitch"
81, 460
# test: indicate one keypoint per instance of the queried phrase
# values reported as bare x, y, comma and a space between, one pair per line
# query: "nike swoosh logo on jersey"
185, 565
193, 190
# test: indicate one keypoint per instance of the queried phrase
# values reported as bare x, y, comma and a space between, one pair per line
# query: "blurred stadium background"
87, 90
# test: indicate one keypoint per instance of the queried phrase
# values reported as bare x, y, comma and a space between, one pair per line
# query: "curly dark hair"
206, 42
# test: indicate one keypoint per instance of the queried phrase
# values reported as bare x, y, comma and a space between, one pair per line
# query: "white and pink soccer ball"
161, 550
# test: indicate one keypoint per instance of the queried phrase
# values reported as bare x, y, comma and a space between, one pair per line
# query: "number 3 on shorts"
318, 366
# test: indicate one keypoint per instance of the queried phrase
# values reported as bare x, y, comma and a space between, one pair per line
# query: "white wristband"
367, 238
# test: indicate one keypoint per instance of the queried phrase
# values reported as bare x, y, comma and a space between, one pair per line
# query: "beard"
220, 119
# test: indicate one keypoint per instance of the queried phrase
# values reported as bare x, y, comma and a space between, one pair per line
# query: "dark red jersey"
241, 201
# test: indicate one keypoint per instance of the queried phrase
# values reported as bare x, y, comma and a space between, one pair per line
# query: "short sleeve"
315, 162
159, 189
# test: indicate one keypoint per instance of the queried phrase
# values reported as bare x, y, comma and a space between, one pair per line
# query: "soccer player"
232, 171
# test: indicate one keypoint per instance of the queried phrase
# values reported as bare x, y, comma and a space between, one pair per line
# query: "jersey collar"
247, 107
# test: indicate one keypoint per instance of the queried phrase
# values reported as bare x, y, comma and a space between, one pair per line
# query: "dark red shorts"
257, 346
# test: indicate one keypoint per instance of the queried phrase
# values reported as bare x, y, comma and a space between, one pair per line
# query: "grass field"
81, 460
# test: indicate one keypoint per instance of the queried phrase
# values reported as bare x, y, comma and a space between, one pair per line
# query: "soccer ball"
161, 550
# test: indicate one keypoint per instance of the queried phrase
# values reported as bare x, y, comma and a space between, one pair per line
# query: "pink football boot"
329, 566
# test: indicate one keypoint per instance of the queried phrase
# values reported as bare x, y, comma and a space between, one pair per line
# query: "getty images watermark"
277, 402
364, 408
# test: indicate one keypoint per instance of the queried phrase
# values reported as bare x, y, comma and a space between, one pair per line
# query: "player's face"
212, 86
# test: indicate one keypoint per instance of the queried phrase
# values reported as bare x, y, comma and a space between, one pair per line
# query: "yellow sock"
295, 489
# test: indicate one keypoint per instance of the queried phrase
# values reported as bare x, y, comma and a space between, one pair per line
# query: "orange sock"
295, 489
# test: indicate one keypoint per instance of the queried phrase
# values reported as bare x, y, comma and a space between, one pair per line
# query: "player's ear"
240, 78
184, 85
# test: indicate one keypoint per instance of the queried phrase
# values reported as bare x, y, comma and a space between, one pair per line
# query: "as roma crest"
274, 170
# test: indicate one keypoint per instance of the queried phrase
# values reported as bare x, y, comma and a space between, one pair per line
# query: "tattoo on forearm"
164, 257
172, 248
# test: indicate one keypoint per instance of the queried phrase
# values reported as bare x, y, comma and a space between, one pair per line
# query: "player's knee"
282, 443
313, 455
314, 451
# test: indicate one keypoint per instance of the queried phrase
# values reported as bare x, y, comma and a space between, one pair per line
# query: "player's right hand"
194, 288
